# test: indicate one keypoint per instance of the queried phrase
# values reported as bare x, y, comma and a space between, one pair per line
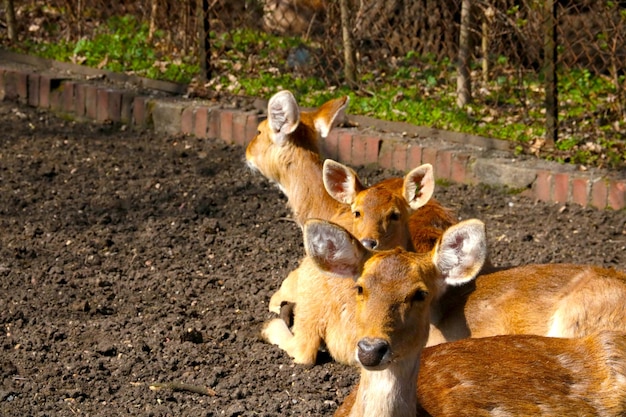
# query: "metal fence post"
204, 42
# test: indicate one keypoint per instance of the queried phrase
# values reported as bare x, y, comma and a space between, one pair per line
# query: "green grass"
122, 45
414, 89
421, 90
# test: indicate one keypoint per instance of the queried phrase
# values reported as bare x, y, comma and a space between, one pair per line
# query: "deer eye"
394, 216
356, 214
419, 296
359, 289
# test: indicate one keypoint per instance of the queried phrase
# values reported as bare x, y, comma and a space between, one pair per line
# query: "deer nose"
370, 244
373, 352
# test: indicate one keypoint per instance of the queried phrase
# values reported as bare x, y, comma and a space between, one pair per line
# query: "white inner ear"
283, 115
462, 251
333, 249
339, 181
419, 186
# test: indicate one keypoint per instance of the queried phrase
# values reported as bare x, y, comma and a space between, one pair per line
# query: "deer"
286, 151
551, 300
400, 211
388, 296
324, 305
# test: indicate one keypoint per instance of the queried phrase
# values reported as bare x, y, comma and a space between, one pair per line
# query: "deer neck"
303, 186
388, 393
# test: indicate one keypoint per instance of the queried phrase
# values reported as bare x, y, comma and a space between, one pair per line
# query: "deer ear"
329, 113
283, 116
341, 182
419, 186
333, 250
461, 252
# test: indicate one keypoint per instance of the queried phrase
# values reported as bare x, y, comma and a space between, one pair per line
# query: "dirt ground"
128, 259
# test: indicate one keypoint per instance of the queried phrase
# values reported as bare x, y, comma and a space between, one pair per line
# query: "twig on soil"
286, 219
179, 386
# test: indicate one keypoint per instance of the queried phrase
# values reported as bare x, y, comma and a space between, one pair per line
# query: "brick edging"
89, 100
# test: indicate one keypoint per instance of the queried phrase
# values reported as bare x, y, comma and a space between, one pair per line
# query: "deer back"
525, 375
558, 300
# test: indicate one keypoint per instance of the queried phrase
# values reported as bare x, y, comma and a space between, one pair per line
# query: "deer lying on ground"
398, 210
325, 305
558, 300
388, 313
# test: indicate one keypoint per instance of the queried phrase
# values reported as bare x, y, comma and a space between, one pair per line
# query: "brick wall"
352, 146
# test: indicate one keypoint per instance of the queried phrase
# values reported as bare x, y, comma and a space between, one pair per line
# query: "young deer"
325, 306
392, 210
558, 300
388, 316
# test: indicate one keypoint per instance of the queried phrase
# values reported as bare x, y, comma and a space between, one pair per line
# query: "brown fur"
286, 151
519, 375
513, 375
559, 300
290, 158
525, 376
325, 308
383, 211
546, 300
394, 212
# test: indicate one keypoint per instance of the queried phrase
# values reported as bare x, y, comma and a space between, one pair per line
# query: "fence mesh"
507, 41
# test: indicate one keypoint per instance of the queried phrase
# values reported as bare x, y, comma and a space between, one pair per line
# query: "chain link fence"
507, 42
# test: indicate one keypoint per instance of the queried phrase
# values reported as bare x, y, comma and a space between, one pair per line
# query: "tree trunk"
486, 35
348, 45
153, 14
204, 44
463, 81
10, 11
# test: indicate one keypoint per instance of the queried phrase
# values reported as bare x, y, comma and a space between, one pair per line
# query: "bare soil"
128, 259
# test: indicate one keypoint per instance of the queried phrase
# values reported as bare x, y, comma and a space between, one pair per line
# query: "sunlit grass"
414, 89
